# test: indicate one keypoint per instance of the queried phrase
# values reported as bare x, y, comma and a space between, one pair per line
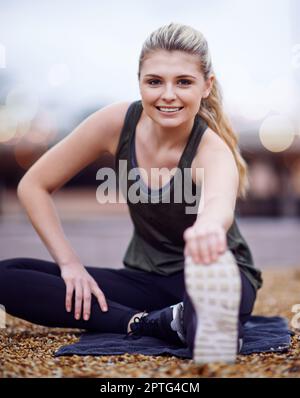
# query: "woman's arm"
206, 239
97, 134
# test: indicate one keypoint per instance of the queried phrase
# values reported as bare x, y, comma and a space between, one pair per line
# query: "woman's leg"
33, 290
248, 296
178, 324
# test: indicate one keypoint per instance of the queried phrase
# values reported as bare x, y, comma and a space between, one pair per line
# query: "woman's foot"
165, 324
215, 292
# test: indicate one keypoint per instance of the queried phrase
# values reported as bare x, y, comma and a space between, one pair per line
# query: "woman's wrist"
225, 220
69, 262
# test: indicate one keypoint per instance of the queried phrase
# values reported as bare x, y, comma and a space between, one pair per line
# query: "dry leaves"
27, 349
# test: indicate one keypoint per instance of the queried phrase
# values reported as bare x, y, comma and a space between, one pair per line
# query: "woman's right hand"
78, 280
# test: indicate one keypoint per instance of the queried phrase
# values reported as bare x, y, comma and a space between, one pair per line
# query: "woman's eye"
152, 81
184, 82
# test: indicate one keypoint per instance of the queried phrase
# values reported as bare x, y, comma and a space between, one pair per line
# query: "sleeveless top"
157, 242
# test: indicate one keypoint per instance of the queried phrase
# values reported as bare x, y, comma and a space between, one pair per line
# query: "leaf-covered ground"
26, 350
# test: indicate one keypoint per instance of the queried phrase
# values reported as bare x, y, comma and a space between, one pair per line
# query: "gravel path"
27, 350
100, 235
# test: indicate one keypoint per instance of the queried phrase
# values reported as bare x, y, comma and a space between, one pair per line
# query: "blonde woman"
189, 276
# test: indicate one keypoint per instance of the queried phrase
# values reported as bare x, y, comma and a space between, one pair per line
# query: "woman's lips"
169, 112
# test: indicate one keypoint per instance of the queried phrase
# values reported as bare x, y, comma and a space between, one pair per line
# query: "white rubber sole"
215, 292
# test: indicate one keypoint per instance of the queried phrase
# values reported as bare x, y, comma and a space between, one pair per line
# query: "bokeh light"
21, 106
8, 126
24, 103
277, 133
257, 99
43, 128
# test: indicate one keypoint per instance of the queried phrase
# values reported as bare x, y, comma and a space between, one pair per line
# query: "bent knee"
12, 263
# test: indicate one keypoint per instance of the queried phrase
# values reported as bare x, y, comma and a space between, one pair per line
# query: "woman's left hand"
205, 241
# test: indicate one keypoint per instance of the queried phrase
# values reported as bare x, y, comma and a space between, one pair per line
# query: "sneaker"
215, 292
165, 324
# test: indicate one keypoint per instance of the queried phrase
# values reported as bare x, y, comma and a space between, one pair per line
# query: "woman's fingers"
83, 286
204, 249
69, 294
197, 245
100, 296
205, 243
212, 245
78, 299
192, 248
222, 242
186, 251
86, 301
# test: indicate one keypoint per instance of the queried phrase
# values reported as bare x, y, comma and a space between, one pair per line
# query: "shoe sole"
215, 292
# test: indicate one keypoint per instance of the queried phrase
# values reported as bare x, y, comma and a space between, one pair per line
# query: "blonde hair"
175, 36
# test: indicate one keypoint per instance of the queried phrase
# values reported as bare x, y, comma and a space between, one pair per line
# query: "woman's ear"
209, 84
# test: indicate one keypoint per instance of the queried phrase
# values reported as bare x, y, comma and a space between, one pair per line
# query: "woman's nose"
169, 92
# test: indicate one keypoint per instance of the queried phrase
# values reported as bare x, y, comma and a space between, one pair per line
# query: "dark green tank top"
157, 243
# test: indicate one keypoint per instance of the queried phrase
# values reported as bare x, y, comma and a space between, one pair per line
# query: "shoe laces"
143, 323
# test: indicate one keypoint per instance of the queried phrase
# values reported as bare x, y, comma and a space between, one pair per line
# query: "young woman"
189, 277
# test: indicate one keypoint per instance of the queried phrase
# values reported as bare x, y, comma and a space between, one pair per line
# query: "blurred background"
62, 60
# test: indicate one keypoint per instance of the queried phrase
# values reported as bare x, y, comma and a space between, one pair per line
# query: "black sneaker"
165, 324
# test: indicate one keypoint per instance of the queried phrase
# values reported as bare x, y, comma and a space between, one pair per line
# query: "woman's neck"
169, 138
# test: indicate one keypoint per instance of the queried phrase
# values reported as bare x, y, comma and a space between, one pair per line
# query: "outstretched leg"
218, 301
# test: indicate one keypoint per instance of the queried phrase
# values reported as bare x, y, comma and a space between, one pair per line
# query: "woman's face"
172, 79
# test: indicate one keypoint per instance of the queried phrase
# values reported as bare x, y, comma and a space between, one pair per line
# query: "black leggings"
33, 290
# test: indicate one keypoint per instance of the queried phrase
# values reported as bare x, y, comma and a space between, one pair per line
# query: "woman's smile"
169, 111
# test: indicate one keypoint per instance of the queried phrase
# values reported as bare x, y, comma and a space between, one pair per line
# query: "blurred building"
274, 164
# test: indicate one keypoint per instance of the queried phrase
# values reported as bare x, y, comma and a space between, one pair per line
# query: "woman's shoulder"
211, 142
113, 116
212, 152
